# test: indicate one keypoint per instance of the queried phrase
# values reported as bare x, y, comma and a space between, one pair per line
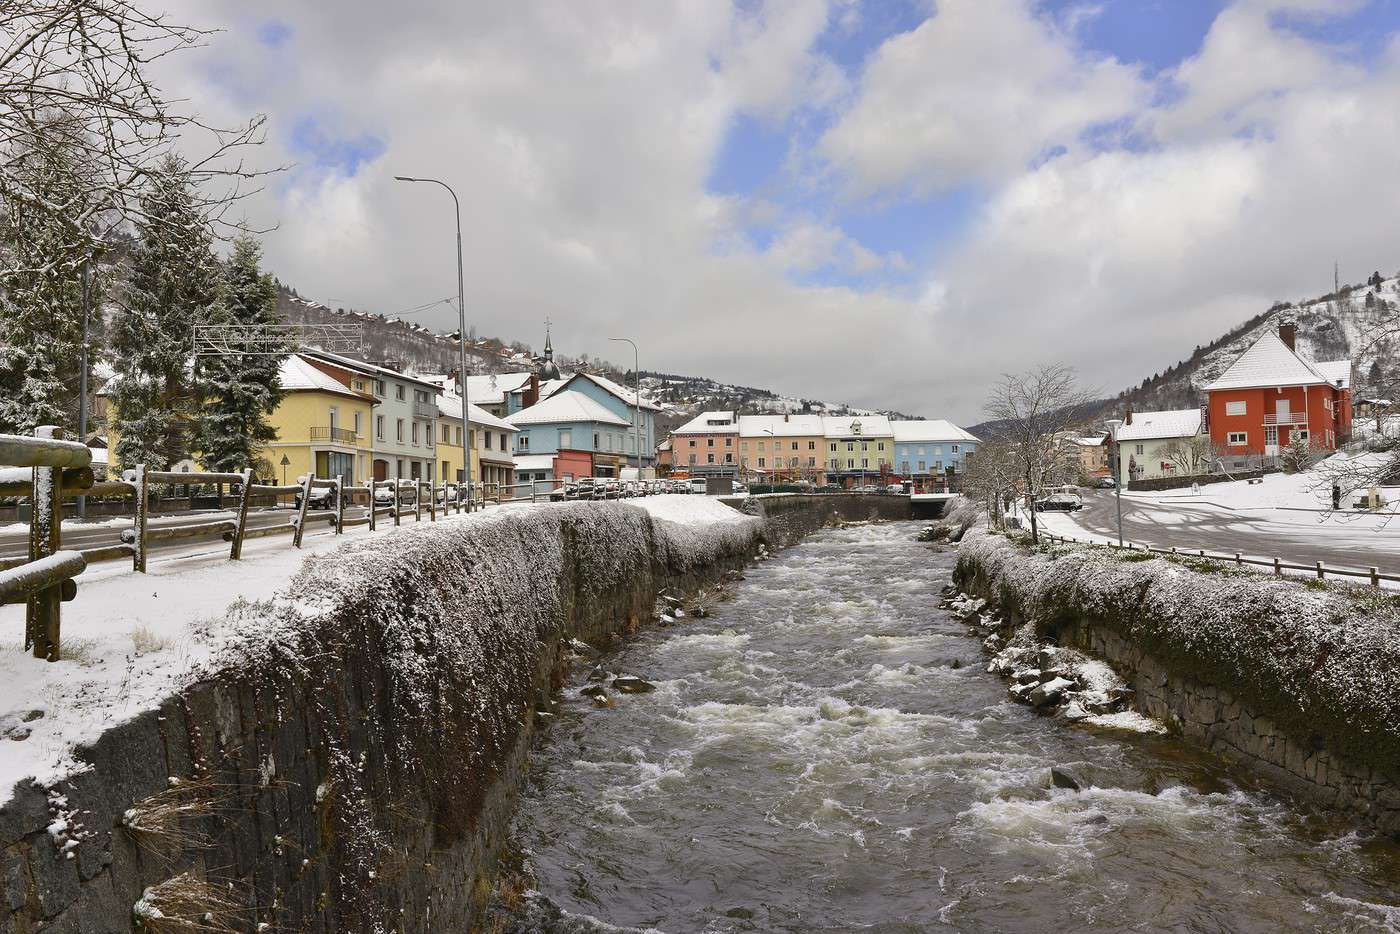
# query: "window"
811, 445
834, 464
379, 427
428, 436
762, 462
709, 442
921, 452
1236, 408
692, 460
865, 445
1302, 434
414, 429
833, 449
610, 443
379, 388
358, 422
458, 433
1239, 437
692, 443
729, 442
880, 446
794, 445
335, 418
954, 448
811, 462
1139, 449
566, 439
923, 466
728, 457
850, 445
503, 441
522, 441
359, 385
709, 458
903, 466
744, 446
850, 463
792, 462
446, 434
597, 448
398, 392
400, 434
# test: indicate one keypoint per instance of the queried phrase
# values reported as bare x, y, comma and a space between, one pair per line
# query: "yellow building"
322, 423
491, 442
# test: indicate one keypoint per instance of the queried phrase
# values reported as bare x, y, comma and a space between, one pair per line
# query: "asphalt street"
1300, 537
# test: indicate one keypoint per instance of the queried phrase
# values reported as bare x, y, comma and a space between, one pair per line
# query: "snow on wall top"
136, 640
720, 422
1319, 662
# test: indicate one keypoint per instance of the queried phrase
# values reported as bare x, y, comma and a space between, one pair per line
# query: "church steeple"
548, 369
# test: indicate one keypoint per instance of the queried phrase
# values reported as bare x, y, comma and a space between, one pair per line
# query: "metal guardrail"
1279, 566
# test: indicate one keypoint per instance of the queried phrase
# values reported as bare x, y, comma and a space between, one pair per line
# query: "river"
826, 752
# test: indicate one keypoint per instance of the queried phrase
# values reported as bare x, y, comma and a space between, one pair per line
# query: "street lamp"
461, 339
637, 388
1113, 425
776, 463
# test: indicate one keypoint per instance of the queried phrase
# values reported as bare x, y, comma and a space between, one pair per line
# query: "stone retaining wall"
352, 765
1271, 737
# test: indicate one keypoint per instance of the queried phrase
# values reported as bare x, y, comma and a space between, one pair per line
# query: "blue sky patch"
318, 148
274, 33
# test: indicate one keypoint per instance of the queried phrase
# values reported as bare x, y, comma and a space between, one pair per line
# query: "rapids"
826, 752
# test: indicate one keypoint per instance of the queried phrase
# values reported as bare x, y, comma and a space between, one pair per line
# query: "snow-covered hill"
1342, 325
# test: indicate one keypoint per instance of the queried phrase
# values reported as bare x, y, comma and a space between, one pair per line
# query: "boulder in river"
597, 693
1049, 693
1061, 777
631, 684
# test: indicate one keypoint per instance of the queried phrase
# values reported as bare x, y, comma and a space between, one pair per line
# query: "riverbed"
826, 752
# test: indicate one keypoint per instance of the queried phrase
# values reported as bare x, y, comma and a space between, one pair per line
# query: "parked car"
895, 488
1059, 502
739, 487
1105, 483
697, 485
322, 497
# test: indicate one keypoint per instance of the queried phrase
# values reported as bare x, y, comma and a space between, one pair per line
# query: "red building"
1271, 395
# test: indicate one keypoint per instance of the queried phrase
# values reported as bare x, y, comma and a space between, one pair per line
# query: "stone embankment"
349, 760
1292, 678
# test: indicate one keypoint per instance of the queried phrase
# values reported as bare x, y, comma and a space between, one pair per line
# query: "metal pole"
461, 339
83, 377
637, 388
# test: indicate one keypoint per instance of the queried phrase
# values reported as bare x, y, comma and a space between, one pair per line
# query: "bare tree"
1192, 456
991, 477
1036, 409
75, 75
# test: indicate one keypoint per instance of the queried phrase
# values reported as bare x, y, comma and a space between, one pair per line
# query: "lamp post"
770, 434
1113, 425
636, 388
461, 339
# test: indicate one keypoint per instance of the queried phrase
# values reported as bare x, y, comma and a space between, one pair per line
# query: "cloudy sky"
884, 203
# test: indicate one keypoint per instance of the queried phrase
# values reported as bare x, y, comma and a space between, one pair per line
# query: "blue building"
580, 436
620, 401
924, 450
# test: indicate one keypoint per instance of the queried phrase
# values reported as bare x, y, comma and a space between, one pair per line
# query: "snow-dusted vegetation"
1321, 660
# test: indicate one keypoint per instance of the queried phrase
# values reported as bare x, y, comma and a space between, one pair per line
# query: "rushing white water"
827, 753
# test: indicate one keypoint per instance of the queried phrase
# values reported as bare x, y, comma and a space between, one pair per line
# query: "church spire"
548, 369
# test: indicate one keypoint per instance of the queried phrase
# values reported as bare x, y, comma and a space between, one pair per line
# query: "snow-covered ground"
1309, 489
131, 640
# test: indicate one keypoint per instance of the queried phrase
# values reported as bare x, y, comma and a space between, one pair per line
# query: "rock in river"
631, 684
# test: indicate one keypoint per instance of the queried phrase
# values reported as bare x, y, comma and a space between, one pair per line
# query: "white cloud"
974, 94
581, 138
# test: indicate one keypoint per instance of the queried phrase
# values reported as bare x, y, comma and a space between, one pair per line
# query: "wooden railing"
1279, 566
47, 469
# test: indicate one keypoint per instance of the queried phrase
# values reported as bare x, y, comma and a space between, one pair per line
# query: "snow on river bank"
131, 640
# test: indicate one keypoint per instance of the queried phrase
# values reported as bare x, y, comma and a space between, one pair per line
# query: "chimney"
1128, 418
1288, 333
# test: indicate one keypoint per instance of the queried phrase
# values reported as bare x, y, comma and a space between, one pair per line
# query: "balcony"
1286, 418
333, 435
425, 409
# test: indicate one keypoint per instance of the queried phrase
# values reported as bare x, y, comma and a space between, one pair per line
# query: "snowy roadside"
131, 640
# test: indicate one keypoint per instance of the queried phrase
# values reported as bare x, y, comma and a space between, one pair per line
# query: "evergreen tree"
41, 298
171, 286
241, 389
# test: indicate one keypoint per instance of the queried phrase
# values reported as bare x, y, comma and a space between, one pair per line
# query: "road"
1301, 537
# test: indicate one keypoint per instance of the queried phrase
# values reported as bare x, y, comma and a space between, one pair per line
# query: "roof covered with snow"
567, 406
364, 366
297, 374
934, 429
780, 426
1337, 372
1268, 362
450, 406
625, 393
1176, 423
844, 426
721, 422
492, 389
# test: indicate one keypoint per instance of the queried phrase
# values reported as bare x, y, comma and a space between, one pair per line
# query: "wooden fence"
47, 469
1279, 566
